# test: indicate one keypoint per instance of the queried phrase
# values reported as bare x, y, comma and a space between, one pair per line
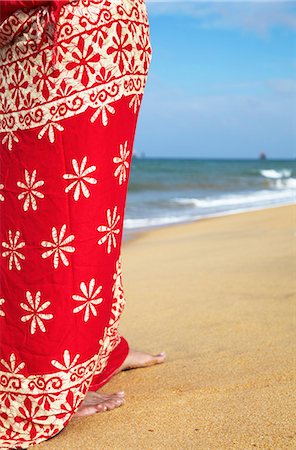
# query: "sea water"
168, 191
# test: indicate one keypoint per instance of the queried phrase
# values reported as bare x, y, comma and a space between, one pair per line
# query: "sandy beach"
218, 295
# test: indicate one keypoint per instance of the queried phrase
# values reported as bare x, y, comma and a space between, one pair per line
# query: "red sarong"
67, 133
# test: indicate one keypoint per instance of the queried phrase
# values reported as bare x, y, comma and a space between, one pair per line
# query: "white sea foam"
276, 174
197, 208
148, 222
280, 179
285, 183
264, 196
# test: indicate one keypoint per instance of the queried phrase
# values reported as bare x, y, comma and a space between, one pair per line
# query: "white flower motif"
9, 138
11, 365
135, 102
118, 294
1, 195
80, 178
35, 312
89, 299
30, 190
2, 313
110, 229
103, 110
59, 246
122, 161
12, 251
50, 129
67, 361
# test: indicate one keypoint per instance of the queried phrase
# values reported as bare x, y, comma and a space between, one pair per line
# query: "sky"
222, 80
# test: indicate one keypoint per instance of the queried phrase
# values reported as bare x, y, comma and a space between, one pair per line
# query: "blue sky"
222, 81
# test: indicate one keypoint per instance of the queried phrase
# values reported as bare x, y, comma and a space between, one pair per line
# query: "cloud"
254, 16
284, 86
229, 108
217, 125
281, 86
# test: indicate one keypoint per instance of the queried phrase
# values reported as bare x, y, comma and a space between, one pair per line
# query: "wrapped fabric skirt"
66, 136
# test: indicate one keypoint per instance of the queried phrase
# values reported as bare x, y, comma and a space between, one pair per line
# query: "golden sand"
219, 297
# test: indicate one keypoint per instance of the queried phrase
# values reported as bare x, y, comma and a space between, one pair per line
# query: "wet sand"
219, 296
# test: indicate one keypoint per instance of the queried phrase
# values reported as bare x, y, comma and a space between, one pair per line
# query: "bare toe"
95, 402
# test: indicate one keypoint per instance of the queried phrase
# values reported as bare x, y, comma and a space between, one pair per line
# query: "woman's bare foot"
136, 359
95, 402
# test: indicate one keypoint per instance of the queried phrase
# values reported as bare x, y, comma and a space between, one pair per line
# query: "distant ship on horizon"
262, 156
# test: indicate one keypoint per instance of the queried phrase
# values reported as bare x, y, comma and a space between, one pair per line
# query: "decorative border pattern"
111, 337
103, 46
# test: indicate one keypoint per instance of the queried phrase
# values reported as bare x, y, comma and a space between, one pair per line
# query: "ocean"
167, 191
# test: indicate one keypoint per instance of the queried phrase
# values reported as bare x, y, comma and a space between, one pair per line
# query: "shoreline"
135, 234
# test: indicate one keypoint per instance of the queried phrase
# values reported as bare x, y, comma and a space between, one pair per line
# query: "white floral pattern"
135, 102
11, 366
89, 299
118, 294
31, 191
103, 110
2, 313
110, 230
35, 310
50, 129
67, 361
122, 162
1, 195
10, 138
80, 178
13, 252
59, 246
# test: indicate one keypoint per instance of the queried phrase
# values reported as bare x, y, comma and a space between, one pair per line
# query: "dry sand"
219, 296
